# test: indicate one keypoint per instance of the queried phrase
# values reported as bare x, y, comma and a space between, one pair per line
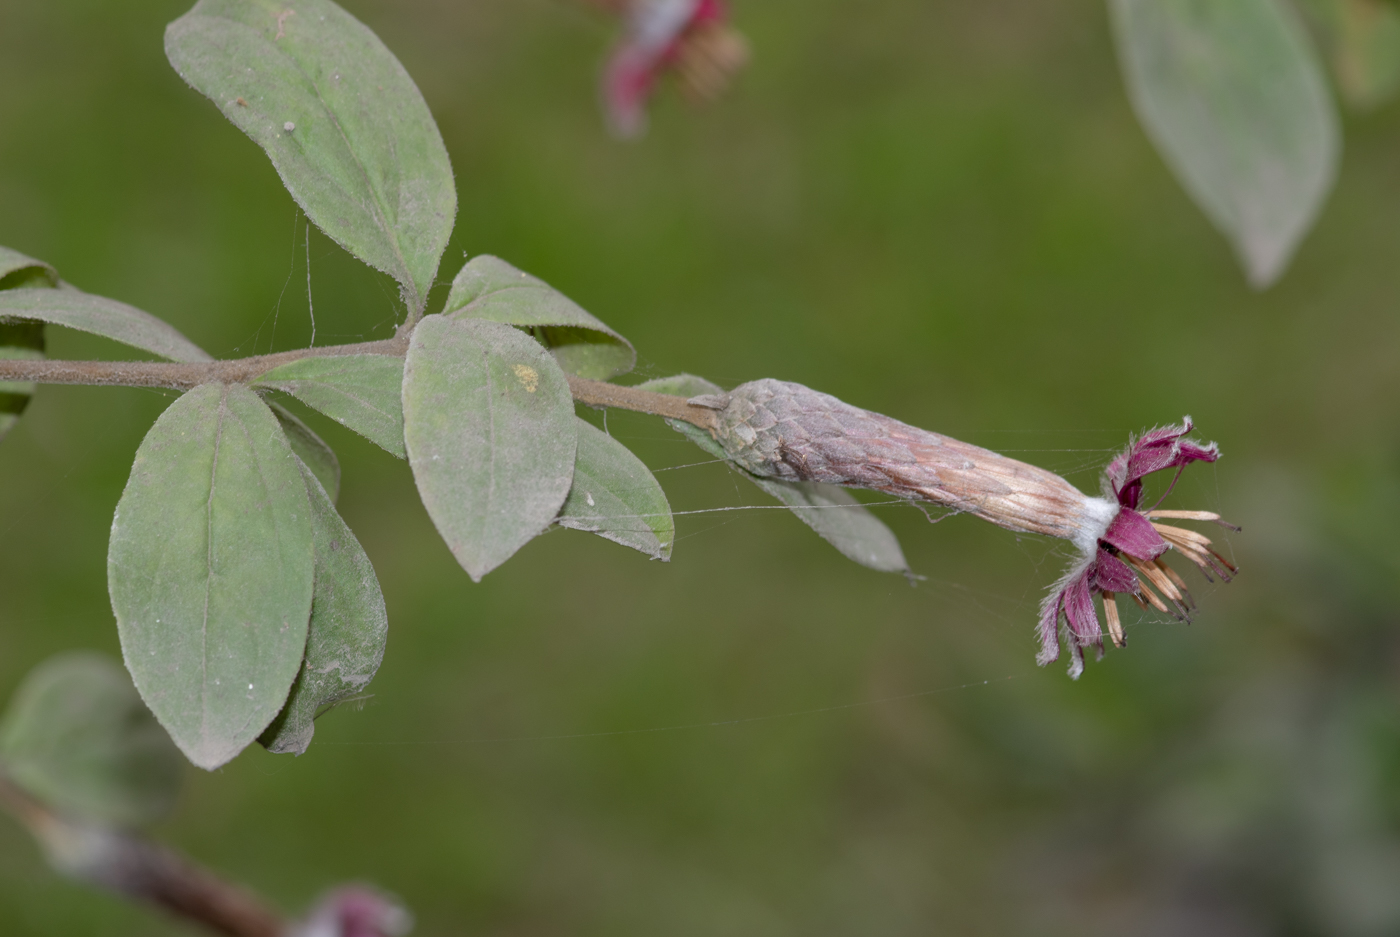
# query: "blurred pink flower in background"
692, 38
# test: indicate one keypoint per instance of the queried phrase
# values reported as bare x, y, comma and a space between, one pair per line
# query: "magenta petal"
354, 911
1079, 609
1076, 661
1049, 628
652, 39
1112, 575
1189, 451
1117, 470
1159, 449
627, 85
1134, 534
709, 11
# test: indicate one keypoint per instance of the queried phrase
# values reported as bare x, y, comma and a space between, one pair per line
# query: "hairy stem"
603, 394
185, 376
141, 870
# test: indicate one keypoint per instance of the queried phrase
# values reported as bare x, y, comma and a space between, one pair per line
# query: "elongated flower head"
691, 37
782, 430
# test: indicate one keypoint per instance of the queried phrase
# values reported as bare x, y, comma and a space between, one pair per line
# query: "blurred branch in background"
83, 764
141, 870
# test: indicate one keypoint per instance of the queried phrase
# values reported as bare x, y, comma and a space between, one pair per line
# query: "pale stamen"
1115, 626
1163, 585
708, 58
1194, 516
1176, 581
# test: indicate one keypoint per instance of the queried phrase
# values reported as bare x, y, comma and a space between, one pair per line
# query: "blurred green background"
941, 211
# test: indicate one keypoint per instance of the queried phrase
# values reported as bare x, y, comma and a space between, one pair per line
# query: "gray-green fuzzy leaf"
343, 123
490, 430
832, 512
77, 737
20, 339
311, 449
1233, 97
615, 496
489, 288
101, 316
681, 385
345, 641
361, 392
17, 270
210, 569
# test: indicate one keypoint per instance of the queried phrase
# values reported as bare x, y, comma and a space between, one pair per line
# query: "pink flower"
690, 36
1127, 555
356, 911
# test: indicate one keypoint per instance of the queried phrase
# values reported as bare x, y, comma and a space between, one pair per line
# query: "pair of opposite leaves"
361, 154
220, 449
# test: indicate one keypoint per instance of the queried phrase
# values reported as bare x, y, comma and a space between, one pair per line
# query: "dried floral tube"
782, 430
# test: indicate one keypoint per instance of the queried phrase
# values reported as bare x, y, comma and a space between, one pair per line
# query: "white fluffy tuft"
1096, 515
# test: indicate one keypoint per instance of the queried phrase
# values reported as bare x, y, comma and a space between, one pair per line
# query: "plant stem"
177, 375
141, 870
185, 376
603, 394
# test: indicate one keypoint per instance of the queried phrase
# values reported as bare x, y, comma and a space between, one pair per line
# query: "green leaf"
490, 429
842, 521
344, 125
77, 737
345, 642
101, 316
489, 288
20, 339
210, 569
832, 512
615, 496
1362, 40
361, 392
681, 385
1233, 97
17, 270
311, 450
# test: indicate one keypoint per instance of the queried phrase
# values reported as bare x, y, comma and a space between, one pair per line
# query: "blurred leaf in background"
1233, 97
77, 736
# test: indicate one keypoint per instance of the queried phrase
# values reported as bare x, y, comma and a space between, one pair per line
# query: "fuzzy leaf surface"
311, 449
77, 737
615, 496
349, 625
101, 316
489, 288
361, 392
17, 270
343, 123
210, 569
834, 513
20, 339
490, 430
1233, 97
681, 385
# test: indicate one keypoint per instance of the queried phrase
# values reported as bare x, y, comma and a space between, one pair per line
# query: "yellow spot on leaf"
528, 377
